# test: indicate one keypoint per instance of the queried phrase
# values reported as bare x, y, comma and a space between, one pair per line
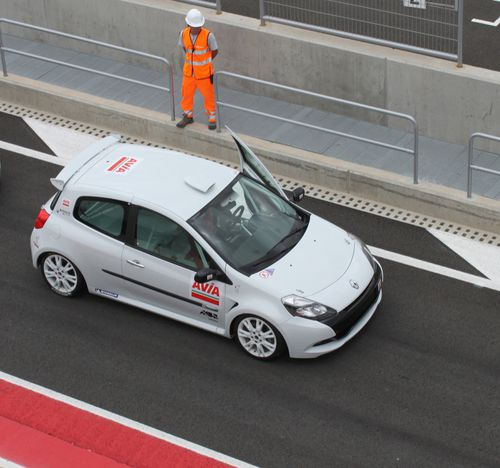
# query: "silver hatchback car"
221, 249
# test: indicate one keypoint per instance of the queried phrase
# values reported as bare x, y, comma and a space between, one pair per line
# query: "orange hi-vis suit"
198, 69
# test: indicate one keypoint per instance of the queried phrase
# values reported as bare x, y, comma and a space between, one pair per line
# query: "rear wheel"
259, 338
62, 275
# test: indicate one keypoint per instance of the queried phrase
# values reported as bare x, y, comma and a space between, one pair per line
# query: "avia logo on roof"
207, 292
123, 165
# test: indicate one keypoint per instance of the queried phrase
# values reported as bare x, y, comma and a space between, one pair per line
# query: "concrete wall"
448, 103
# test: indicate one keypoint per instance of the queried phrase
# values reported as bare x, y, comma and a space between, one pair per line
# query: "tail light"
41, 219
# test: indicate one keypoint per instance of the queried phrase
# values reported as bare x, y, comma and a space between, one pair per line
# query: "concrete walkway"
440, 162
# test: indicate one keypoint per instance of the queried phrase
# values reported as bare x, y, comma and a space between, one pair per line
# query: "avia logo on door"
207, 292
123, 165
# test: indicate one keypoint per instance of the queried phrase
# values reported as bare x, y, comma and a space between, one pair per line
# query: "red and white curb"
40, 427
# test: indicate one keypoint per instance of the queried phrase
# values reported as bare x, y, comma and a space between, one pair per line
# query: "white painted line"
433, 268
124, 421
8, 464
487, 23
31, 153
483, 257
64, 142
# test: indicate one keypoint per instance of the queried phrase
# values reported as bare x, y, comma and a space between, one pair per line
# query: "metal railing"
413, 152
471, 166
4, 49
436, 28
206, 3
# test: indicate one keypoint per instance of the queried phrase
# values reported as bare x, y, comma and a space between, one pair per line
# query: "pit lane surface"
419, 386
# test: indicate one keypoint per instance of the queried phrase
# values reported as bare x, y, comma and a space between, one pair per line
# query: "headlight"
302, 307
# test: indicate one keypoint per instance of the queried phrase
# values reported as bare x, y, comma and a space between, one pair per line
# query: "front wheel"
62, 275
259, 338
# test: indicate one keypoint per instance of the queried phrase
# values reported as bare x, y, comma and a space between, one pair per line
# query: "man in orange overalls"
200, 47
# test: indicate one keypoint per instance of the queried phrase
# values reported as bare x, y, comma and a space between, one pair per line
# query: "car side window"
163, 238
107, 216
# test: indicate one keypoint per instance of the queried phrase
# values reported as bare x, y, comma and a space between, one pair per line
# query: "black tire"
62, 275
258, 338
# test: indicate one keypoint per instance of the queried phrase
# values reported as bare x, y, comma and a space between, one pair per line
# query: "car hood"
318, 260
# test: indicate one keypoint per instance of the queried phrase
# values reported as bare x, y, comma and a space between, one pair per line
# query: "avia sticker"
266, 273
106, 293
207, 292
66, 203
123, 165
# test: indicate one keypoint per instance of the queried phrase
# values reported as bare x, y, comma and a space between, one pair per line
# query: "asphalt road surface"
418, 387
481, 42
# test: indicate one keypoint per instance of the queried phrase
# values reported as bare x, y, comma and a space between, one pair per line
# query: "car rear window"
107, 216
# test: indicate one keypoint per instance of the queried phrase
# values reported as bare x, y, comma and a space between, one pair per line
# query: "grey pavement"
440, 162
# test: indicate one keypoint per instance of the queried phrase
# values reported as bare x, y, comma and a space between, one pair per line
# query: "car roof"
181, 183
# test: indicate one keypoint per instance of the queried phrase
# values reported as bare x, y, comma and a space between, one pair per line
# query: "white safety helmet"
194, 18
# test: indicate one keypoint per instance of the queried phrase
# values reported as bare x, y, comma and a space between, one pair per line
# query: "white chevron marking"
487, 23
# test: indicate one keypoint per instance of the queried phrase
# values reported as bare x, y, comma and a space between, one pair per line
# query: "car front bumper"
309, 338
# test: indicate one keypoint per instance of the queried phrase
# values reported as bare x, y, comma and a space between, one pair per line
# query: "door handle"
135, 263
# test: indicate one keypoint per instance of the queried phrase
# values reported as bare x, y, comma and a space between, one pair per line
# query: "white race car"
196, 241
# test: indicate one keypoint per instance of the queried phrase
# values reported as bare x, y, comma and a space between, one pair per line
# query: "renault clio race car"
221, 249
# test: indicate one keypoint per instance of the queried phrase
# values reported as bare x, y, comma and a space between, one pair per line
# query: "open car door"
251, 166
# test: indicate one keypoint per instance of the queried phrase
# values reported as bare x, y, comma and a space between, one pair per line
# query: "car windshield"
250, 226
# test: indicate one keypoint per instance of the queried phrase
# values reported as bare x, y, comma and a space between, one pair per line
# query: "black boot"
185, 121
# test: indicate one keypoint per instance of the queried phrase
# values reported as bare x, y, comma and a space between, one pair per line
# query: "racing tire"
258, 338
62, 275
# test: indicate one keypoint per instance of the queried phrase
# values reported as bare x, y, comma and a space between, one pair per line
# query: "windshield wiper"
274, 253
290, 234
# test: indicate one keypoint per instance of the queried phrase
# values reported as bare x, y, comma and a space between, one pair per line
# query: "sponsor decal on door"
207, 292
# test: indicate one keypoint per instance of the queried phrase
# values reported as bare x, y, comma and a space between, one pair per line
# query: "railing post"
2, 53
415, 152
262, 13
460, 38
218, 9
218, 116
469, 167
172, 93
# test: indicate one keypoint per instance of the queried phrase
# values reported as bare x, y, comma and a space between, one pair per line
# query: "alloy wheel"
257, 337
61, 274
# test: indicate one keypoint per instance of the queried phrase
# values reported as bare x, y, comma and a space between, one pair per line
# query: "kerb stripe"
36, 420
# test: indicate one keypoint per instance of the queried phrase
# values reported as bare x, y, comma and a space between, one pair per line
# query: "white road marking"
393, 256
8, 464
487, 23
434, 268
31, 153
483, 257
64, 142
124, 421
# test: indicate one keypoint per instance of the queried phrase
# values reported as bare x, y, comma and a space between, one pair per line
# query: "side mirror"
205, 275
298, 194
211, 274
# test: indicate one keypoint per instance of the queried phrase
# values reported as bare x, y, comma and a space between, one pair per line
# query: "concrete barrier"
311, 168
448, 103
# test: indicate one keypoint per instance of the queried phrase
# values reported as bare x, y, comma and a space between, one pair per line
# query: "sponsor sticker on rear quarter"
122, 165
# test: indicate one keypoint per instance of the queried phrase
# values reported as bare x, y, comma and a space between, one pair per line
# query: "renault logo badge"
354, 284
